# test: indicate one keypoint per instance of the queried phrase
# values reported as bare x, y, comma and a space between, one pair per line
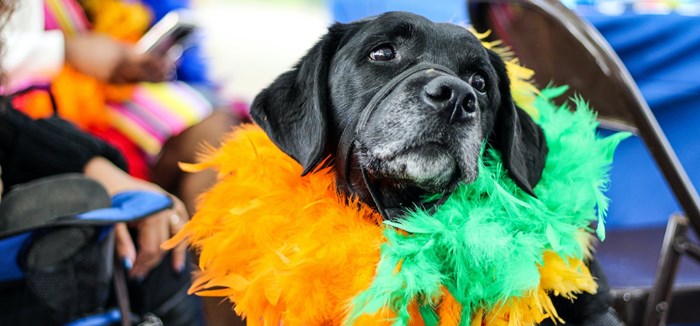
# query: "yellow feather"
559, 277
523, 91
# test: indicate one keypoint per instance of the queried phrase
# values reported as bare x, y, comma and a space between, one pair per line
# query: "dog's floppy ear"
292, 110
521, 142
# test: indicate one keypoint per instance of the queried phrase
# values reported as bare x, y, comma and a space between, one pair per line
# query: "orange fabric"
79, 99
35, 104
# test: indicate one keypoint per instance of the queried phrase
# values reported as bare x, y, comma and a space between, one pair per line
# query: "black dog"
402, 107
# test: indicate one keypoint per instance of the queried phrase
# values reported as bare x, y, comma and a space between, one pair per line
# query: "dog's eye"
478, 82
384, 52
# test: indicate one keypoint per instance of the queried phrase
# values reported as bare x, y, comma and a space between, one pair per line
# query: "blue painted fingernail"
128, 265
181, 269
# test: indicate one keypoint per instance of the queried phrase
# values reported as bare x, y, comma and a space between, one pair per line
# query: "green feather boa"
485, 244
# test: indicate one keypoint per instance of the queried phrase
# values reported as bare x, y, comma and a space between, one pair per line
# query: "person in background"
102, 83
33, 148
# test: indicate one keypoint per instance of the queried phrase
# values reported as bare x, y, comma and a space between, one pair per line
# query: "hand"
141, 67
109, 60
151, 231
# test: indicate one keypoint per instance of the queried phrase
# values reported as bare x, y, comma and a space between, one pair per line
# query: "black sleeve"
31, 149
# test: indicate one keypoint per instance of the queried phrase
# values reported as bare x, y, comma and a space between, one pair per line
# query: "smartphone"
173, 30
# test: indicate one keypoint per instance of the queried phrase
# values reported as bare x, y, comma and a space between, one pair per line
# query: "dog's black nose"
451, 95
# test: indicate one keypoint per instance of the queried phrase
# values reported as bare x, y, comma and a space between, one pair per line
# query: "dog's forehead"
440, 39
403, 23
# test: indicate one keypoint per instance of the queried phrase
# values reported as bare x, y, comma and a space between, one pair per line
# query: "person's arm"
101, 56
31, 149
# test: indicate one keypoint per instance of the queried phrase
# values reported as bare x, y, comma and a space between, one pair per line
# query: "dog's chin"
430, 167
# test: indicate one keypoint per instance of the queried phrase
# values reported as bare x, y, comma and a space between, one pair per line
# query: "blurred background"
250, 42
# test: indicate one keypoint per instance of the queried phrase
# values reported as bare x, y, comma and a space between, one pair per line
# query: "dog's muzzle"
444, 93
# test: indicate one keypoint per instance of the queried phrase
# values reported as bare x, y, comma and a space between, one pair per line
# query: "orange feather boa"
268, 254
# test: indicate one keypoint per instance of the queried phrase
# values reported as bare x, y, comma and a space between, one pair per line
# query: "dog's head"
402, 105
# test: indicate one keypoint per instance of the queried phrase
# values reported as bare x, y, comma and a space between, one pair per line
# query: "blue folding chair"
57, 242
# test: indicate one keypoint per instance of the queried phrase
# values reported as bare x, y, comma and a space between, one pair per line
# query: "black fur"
521, 141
